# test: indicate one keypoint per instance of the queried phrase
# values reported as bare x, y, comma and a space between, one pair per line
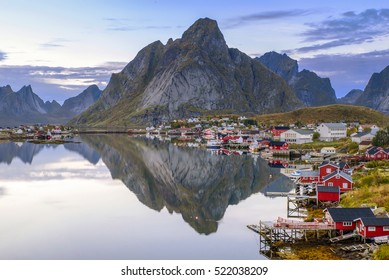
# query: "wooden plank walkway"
344, 237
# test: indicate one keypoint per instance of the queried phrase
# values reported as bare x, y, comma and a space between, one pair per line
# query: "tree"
315, 136
381, 139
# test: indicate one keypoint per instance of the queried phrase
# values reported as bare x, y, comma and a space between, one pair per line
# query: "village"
320, 159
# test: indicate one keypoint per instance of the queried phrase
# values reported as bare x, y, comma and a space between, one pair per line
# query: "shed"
328, 193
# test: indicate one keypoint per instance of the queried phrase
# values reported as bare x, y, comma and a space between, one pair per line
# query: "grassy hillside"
330, 113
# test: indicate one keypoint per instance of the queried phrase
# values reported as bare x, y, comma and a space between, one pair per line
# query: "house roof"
374, 221
349, 214
324, 163
281, 127
308, 173
341, 173
365, 143
360, 134
303, 131
342, 164
324, 189
375, 150
335, 125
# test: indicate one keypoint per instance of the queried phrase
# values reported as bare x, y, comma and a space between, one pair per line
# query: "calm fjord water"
117, 197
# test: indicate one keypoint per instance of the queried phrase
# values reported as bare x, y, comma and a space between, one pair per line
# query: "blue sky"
61, 47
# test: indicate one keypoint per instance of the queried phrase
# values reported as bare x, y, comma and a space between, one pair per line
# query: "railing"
293, 224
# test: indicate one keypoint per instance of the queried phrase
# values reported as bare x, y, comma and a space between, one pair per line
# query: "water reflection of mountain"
85, 151
24, 151
189, 181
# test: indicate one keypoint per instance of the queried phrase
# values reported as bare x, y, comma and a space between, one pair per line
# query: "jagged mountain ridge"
26, 107
311, 89
194, 75
376, 92
351, 97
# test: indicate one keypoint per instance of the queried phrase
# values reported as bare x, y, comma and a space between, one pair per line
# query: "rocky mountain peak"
376, 93
204, 32
6, 90
281, 64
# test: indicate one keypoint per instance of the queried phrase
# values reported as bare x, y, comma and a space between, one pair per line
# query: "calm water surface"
117, 197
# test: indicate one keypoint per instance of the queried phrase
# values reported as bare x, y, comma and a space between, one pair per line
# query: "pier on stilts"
286, 231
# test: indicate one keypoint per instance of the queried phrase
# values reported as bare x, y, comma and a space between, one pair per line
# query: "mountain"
311, 89
191, 76
26, 107
351, 97
376, 93
78, 104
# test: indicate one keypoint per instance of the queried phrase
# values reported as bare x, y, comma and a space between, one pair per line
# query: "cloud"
270, 15
347, 71
55, 43
348, 29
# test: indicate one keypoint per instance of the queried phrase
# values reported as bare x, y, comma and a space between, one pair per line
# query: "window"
344, 185
328, 170
330, 184
347, 224
371, 229
386, 228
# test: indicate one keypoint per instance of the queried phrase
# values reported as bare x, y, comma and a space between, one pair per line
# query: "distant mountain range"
194, 75
26, 107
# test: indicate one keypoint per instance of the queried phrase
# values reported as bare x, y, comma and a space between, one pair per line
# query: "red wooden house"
372, 226
376, 153
327, 168
278, 146
277, 130
344, 219
339, 178
328, 193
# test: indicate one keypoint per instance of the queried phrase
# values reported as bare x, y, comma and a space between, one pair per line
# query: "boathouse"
308, 177
346, 218
328, 194
372, 226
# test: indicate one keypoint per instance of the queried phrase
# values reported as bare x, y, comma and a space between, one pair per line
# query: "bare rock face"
191, 76
309, 88
351, 97
376, 93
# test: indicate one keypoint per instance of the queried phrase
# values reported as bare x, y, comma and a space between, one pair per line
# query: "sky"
62, 47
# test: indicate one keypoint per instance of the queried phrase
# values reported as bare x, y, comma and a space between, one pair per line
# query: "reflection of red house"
274, 145
372, 226
339, 178
345, 218
328, 193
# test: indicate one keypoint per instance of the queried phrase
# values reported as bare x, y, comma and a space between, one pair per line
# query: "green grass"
330, 113
382, 253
